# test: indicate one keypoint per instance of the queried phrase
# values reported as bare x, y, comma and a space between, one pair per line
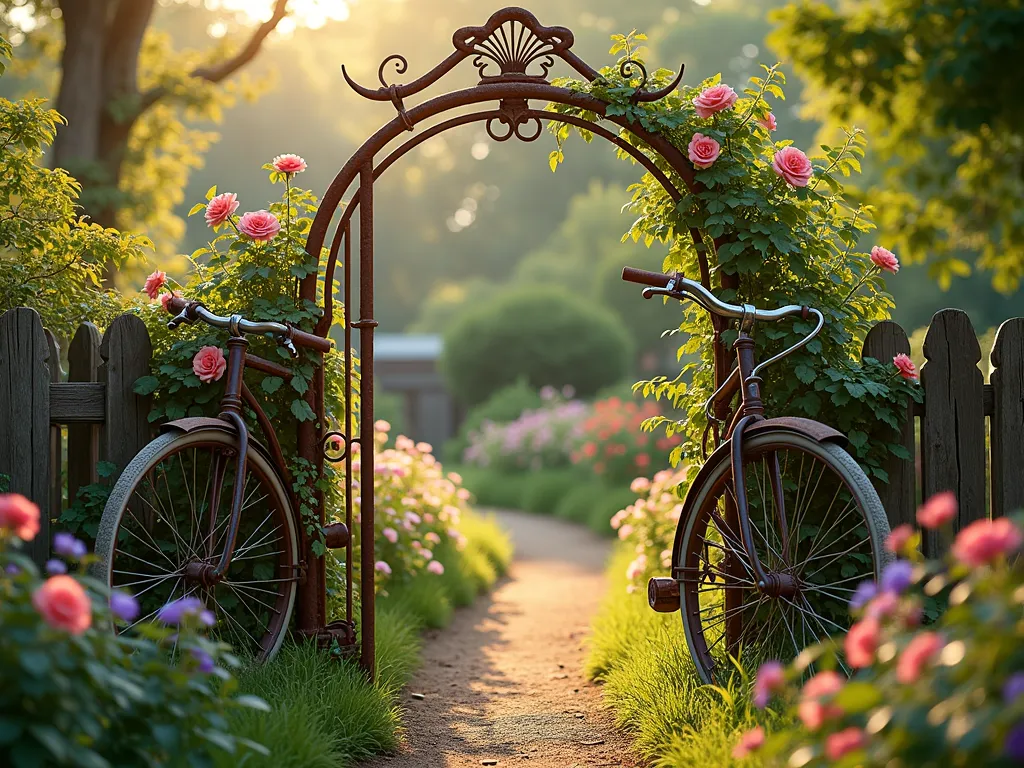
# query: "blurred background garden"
507, 346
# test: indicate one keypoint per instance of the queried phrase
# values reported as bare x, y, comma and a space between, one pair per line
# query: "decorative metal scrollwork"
514, 115
512, 40
401, 67
335, 446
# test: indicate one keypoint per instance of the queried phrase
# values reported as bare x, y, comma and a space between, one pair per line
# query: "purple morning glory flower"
55, 567
897, 576
864, 593
175, 612
1014, 687
66, 545
1014, 744
206, 665
12, 570
124, 606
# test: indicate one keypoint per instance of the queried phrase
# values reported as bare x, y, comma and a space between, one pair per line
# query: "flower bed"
947, 693
74, 692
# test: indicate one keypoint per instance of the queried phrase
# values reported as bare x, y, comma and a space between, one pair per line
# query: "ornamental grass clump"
76, 693
897, 690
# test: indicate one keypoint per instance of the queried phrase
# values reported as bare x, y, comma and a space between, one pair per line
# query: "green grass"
651, 685
324, 713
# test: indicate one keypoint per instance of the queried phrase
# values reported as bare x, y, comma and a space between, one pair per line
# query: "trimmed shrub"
549, 336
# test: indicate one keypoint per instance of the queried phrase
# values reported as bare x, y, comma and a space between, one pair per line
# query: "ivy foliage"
51, 257
235, 274
780, 244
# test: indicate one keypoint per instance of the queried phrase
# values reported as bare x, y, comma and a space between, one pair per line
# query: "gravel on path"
503, 685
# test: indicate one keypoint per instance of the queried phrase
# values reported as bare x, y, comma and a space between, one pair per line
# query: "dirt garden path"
503, 685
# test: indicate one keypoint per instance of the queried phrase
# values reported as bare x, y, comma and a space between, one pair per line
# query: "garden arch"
513, 54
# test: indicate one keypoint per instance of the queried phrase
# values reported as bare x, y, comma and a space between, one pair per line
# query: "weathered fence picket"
1008, 418
105, 419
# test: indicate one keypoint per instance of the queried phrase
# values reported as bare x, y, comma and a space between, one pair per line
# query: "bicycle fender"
813, 429
196, 423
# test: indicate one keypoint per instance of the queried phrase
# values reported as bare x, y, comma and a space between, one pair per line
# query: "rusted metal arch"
511, 41
342, 226
485, 92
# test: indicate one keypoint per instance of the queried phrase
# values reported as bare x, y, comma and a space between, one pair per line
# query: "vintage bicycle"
205, 510
780, 523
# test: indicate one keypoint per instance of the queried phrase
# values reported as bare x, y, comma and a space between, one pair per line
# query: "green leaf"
856, 697
252, 702
196, 209
211, 193
36, 663
271, 384
301, 411
146, 385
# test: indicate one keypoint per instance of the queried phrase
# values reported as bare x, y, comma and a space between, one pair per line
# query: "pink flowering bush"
946, 693
541, 438
76, 693
419, 509
648, 526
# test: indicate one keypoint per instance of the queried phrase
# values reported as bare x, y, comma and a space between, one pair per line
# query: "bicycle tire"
712, 669
220, 443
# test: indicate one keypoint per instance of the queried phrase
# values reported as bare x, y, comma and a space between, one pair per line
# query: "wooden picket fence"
967, 436
105, 419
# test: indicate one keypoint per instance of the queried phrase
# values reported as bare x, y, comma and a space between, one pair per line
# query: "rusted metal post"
366, 324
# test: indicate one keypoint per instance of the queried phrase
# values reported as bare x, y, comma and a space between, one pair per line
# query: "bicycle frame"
237, 394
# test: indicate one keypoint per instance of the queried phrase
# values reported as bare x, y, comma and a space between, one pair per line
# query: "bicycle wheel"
167, 518
833, 537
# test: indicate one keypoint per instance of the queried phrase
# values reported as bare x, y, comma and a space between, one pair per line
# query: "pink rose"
812, 710
861, 642
714, 99
221, 208
382, 426
209, 364
636, 568
938, 510
792, 165
289, 164
381, 567
435, 567
917, 653
884, 605
905, 366
983, 541
703, 150
771, 678
154, 283
768, 122
898, 538
259, 225
749, 742
847, 740
166, 297
885, 259
63, 604
624, 532
390, 534
19, 515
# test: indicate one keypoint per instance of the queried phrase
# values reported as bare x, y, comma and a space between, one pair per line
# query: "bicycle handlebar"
188, 312
681, 287
684, 287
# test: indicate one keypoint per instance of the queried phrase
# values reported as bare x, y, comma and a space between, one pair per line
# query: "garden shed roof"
407, 346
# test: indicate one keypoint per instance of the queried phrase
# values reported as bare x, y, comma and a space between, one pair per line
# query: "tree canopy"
935, 83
